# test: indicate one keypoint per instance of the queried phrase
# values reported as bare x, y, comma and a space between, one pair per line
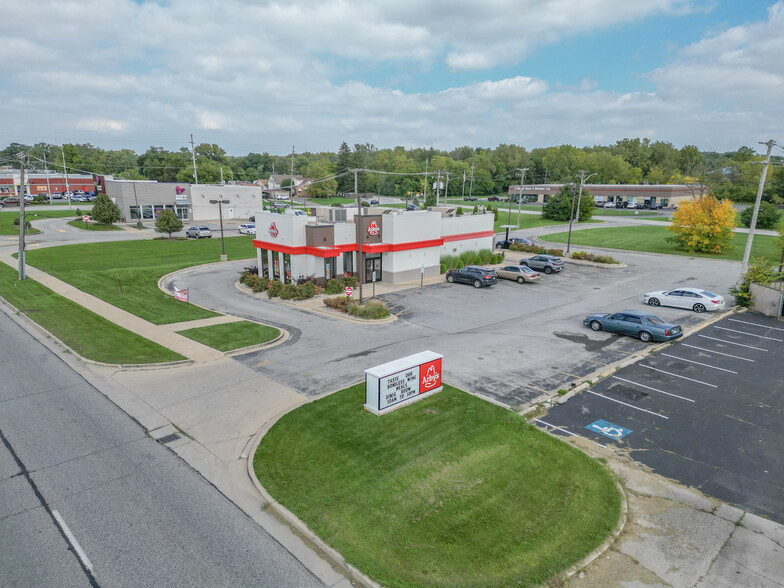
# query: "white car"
609, 205
693, 298
247, 229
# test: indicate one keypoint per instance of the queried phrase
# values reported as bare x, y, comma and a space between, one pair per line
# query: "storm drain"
628, 393
168, 438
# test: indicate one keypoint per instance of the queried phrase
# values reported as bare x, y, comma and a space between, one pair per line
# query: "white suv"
247, 229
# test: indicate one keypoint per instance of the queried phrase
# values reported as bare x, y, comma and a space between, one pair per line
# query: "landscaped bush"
449, 262
536, 249
350, 281
288, 292
274, 288
334, 286
371, 310
591, 257
759, 272
306, 290
767, 218
260, 284
337, 302
459, 211
484, 257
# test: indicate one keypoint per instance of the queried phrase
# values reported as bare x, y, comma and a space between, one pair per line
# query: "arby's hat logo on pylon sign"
373, 229
431, 376
273, 230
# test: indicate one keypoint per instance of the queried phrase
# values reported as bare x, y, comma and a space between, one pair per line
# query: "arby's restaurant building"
396, 247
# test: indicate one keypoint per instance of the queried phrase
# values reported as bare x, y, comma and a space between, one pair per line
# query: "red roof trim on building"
368, 247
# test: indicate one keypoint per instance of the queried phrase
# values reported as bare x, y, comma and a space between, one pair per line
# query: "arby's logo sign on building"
403, 381
373, 229
273, 230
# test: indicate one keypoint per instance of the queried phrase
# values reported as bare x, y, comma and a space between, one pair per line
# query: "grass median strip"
91, 226
450, 491
653, 239
88, 334
7, 226
126, 273
230, 336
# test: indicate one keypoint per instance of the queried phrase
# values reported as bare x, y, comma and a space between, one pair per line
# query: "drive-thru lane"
706, 411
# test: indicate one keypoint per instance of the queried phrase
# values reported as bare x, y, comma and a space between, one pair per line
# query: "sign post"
374, 283
422, 276
349, 291
181, 295
86, 218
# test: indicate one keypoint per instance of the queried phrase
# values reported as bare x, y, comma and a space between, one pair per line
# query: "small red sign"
85, 218
373, 229
273, 230
349, 290
429, 375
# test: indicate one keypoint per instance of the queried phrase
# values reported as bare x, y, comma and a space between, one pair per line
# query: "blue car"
643, 325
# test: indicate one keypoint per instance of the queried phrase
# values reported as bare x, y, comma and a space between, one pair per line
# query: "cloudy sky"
257, 76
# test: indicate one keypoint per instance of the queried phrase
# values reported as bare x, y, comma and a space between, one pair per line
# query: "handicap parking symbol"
608, 429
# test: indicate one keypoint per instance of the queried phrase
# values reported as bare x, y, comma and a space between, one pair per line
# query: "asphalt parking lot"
705, 411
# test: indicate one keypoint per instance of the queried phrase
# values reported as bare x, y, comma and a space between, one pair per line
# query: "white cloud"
262, 77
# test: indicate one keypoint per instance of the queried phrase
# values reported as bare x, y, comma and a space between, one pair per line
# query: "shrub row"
591, 257
483, 257
536, 249
370, 310
276, 288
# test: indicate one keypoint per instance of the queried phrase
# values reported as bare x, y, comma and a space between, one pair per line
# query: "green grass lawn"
333, 200
450, 491
126, 273
88, 334
7, 217
230, 336
92, 226
652, 239
527, 221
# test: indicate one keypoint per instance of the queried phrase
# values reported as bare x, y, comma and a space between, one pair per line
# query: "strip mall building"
663, 194
396, 247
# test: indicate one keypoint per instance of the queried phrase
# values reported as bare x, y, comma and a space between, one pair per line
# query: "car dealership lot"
706, 411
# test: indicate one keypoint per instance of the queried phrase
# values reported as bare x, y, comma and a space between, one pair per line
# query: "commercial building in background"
10, 183
144, 199
639, 194
397, 246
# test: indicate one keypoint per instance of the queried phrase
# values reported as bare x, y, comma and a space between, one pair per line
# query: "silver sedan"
520, 273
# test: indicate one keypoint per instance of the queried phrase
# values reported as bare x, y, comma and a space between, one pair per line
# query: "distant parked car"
412, 207
247, 229
514, 241
198, 232
252, 219
696, 299
547, 263
494, 199
643, 325
11, 201
373, 202
519, 273
470, 198
609, 205
477, 276
78, 198
57, 196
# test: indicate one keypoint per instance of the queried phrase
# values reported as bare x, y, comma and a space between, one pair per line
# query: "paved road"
140, 514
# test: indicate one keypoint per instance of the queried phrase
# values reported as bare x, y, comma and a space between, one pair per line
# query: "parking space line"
750, 334
629, 405
755, 324
568, 432
599, 362
566, 373
678, 376
718, 352
654, 389
733, 343
713, 367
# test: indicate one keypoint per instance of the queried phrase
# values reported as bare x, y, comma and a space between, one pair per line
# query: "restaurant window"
348, 263
330, 268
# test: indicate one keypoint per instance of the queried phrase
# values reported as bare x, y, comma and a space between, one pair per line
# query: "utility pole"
522, 171
426, 180
222, 176
580, 197
438, 186
220, 215
462, 194
471, 185
745, 265
193, 156
48, 186
361, 271
65, 171
291, 185
446, 190
571, 218
22, 163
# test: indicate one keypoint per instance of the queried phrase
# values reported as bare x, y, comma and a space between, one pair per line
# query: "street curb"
31, 326
282, 337
299, 527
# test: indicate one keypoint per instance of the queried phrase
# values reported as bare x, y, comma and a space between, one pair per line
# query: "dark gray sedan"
643, 325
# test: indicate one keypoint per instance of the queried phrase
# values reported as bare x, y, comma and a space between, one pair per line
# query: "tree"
767, 218
703, 225
559, 206
318, 170
343, 164
105, 211
167, 222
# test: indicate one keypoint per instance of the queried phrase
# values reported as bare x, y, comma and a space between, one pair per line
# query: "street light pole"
220, 215
139, 224
361, 271
580, 197
745, 265
522, 171
571, 218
